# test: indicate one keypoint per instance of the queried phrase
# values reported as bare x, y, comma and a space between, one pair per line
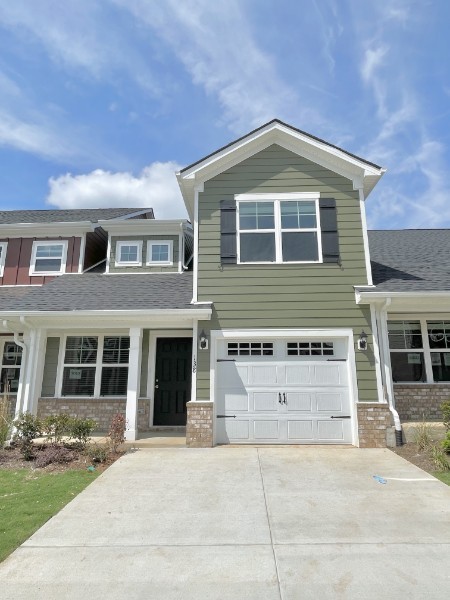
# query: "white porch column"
34, 370
134, 376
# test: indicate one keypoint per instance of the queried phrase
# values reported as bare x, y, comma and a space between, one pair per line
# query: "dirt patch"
417, 457
11, 458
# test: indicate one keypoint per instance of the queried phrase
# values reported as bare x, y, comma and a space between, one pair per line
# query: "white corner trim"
4, 249
377, 354
362, 208
197, 190
82, 253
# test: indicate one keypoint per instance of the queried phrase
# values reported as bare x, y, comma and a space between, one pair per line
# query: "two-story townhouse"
268, 320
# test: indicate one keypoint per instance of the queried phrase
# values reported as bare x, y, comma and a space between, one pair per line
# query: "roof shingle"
10, 217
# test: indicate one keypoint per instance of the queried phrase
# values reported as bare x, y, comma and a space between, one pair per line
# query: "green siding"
283, 296
50, 367
144, 363
144, 268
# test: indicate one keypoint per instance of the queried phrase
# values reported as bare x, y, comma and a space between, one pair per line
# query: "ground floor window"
10, 367
420, 350
95, 366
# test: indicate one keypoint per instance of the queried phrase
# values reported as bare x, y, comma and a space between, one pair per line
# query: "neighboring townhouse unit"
268, 320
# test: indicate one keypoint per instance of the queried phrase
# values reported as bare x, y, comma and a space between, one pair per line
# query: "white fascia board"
433, 302
319, 152
145, 227
200, 313
59, 229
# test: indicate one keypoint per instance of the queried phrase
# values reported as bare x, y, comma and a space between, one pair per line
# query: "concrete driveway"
240, 524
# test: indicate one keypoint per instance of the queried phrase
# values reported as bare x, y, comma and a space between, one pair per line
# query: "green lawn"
28, 499
443, 476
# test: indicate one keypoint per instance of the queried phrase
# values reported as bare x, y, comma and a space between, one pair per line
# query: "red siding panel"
12, 261
23, 270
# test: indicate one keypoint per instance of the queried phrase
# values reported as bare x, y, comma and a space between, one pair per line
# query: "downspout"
395, 415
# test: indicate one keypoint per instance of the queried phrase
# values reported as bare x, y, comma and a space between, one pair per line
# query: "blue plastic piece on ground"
379, 479
91, 469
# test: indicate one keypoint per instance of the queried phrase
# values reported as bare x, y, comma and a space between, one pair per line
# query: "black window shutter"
329, 230
228, 251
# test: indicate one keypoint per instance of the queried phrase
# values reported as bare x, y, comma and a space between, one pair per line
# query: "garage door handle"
336, 359
226, 416
341, 417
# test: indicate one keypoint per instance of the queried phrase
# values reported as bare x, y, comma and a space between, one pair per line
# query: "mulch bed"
11, 458
417, 457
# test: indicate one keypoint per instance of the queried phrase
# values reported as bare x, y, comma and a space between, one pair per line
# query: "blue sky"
101, 101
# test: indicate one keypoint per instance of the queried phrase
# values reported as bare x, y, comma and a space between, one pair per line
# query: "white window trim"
4, 247
97, 365
277, 230
38, 243
157, 263
129, 263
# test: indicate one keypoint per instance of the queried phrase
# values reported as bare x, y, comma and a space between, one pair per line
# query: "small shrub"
53, 454
445, 408
439, 458
55, 427
422, 435
116, 432
80, 429
5, 420
96, 453
28, 427
446, 443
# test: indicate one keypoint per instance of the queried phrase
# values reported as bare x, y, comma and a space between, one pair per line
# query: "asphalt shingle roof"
96, 291
410, 260
10, 217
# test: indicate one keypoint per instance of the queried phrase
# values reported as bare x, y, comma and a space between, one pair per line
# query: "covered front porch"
94, 366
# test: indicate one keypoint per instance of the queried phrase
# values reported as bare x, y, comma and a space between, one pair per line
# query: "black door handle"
280, 401
284, 398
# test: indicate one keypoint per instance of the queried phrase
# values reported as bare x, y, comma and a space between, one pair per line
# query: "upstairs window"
3, 246
48, 258
160, 252
129, 254
278, 230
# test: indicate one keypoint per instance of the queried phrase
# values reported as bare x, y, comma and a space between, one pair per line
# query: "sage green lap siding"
284, 296
50, 367
145, 268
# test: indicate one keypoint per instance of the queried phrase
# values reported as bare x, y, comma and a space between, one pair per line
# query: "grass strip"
444, 476
29, 498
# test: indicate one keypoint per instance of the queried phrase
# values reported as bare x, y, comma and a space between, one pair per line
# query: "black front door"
172, 380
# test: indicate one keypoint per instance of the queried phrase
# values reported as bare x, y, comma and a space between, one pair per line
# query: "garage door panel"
299, 401
329, 402
326, 374
331, 430
265, 401
235, 400
234, 375
298, 374
237, 429
266, 430
263, 375
300, 430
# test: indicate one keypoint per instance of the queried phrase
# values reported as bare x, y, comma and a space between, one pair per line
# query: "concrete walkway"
243, 523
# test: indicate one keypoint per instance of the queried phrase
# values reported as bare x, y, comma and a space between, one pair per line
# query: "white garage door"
291, 391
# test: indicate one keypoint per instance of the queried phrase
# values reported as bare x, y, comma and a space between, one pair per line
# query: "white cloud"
373, 59
215, 43
156, 187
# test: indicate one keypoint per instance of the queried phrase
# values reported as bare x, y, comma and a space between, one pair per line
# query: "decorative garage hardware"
362, 342
341, 417
226, 416
282, 399
310, 348
203, 341
250, 348
226, 360
336, 359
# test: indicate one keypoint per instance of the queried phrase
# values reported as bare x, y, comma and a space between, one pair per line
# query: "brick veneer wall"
199, 426
421, 401
373, 420
101, 411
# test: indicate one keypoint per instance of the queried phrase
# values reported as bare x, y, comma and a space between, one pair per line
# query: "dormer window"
129, 254
160, 252
48, 258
